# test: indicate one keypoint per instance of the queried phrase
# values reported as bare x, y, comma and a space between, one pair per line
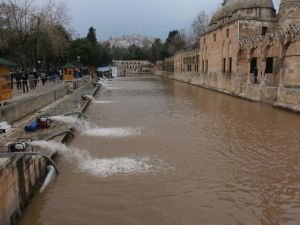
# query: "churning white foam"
110, 167
88, 129
102, 102
100, 167
113, 132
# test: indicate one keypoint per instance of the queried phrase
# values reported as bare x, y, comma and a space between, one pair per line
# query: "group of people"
23, 78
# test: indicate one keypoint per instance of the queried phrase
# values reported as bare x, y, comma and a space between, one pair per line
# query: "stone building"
244, 35
187, 61
133, 67
248, 34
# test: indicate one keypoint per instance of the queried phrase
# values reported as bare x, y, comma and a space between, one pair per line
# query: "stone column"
281, 72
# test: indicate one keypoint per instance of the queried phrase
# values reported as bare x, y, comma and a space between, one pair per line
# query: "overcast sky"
147, 17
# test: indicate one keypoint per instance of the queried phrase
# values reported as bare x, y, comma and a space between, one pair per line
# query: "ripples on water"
237, 162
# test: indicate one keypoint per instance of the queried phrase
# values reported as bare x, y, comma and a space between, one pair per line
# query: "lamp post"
37, 44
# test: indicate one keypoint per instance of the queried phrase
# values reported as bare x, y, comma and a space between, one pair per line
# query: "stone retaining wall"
20, 176
19, 109
75, 84
26, 106
288, 98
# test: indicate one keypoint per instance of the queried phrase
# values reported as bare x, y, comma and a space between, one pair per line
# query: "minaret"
289, 12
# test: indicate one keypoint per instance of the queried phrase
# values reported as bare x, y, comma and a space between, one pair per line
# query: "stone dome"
248, 4
232, 6
215, 17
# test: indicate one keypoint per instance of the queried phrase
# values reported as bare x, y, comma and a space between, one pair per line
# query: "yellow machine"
5, 80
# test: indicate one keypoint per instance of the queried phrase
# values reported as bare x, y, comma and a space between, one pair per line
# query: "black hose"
43, 155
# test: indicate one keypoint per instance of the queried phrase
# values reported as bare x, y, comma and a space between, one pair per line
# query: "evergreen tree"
91, 36
174, 42
199, 26
158, 51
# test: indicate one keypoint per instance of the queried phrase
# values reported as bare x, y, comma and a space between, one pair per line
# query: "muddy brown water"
168, 153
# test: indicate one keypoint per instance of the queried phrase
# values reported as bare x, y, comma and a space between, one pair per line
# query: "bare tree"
16, 26
56, 13
52, 24
29, 32
200, 26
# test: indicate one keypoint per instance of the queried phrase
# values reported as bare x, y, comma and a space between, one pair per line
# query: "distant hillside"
126, 41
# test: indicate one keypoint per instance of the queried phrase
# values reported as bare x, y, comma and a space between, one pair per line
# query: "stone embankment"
21, 175
283, 97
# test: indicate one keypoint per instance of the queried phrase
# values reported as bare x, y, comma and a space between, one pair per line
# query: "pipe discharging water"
89, 97
103, 167
87, 129
96, 101
106, 86
77, 122
50, 176
102, 83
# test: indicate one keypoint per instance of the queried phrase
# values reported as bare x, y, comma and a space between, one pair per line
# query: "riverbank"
282, 97
21, 175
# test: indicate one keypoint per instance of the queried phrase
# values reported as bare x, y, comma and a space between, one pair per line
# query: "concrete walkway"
40, 89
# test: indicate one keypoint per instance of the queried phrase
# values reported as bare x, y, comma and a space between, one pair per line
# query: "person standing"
255, 74
36, 77
24, 81
31, 81
43, 77
12, 80
18, 80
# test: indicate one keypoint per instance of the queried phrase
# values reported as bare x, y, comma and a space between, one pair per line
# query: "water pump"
44, 121
21, 145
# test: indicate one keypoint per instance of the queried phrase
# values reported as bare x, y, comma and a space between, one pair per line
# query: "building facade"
245, 36
187, 61
133, 67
